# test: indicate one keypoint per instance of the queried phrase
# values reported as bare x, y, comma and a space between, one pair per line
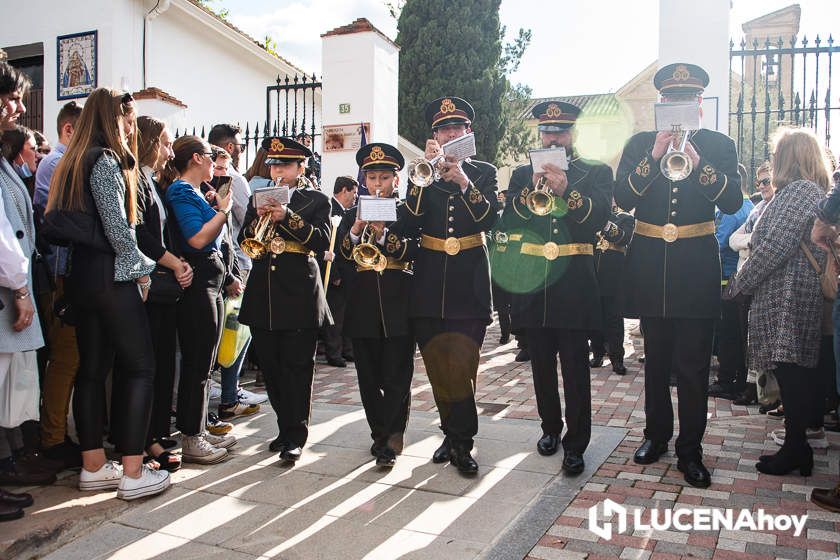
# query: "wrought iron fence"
290, 110
781, 82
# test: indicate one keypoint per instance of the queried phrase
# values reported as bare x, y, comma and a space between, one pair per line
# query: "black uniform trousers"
200, 312
610, 339
385, 367
287, 359
502, 300
450, 350
544, 346
336, 345
683, 347
730, 347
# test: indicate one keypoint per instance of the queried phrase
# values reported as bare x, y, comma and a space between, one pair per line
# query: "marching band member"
284, 301
450, 296
561, 304
609, 262
376, 317
672, 271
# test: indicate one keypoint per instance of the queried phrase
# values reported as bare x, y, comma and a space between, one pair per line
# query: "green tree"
452, 49
517, 137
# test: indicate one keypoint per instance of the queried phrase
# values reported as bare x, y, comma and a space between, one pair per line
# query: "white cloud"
297, 26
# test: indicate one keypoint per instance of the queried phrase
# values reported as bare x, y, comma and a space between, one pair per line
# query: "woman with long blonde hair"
787, 305
107, 285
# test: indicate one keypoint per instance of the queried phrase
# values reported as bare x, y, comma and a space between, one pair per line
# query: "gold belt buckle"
501, 237
551, 250
277, 245
452, 246
670, 232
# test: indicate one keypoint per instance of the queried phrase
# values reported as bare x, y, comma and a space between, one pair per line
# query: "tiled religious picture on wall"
77, 70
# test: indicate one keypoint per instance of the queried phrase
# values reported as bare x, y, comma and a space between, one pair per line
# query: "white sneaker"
816, 438
106, 478
222, 442
151, 482
215, 391
251, 398
196, 449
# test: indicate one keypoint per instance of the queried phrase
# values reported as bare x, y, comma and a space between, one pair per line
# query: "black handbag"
165, 289
71, 227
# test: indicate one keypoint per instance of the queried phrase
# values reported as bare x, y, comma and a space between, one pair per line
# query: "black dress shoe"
10, 513
290, 454
597, 361
442, 453
386, 457
618, 366
523, 356
504, 339
748, 397
348, 357
21, 500
573, 463
783, 463
765, 408
649, 452
547, 445
695, 473
463, 460
279, 444
337, 362
641, 358
375, 448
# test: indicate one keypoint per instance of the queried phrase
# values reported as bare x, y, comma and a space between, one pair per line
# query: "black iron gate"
290, 109
781, 82
290, 106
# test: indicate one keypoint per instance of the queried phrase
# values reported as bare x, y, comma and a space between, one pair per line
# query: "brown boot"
827, 498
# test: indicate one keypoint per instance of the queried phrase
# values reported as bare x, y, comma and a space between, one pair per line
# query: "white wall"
361, 69
698, 33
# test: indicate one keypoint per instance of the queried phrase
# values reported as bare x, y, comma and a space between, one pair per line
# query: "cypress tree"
452, 49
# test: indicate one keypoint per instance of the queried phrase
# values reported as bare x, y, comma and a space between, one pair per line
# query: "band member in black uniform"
561, 306
284, 301
672, 269
376, 317
451, 304
609, 262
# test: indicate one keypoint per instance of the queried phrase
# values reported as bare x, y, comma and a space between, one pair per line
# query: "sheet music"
377, 209
686, 115
462, 148
556, 156
276, 196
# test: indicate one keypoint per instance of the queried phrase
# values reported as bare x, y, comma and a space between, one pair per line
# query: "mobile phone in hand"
223, 185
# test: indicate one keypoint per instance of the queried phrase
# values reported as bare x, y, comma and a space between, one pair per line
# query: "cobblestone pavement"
735, 438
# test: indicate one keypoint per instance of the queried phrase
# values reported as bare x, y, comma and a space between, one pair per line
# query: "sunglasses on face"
763, 182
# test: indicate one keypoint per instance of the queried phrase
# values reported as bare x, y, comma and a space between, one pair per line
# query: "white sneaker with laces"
248, 397
151, 482
196, 449
222, 442
816, 438
106, 478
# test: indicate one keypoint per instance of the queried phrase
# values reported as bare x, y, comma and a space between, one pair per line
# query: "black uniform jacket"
560, 293
285, 292
682, 278
457, 286
609, 263
377, 303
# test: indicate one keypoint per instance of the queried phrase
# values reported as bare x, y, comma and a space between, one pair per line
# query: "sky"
583, 48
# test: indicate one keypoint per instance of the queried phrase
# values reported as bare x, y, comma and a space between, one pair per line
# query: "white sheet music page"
685, 115
462, 148
276, 196
377, 209
556, 156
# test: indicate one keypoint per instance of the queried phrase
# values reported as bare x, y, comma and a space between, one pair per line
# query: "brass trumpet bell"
367, 254
675, 164
423, 172
540, 201
257, 246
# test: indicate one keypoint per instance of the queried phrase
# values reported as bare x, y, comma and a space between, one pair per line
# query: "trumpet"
260, 243
540, 201
423, 172
675, 164
367, 254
